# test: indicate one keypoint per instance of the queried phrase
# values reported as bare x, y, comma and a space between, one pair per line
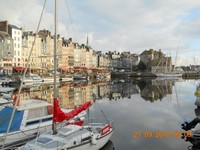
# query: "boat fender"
94, 141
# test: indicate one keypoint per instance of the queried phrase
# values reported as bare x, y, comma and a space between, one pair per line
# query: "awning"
18, 68
64, 68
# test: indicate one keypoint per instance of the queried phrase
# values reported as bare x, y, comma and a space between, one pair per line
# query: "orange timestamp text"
161, 134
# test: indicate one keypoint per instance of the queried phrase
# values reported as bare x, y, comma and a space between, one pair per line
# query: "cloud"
129, 25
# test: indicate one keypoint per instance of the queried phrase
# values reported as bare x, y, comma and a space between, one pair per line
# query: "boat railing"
98, 121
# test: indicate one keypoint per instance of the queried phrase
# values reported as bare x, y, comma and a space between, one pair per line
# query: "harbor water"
147, 113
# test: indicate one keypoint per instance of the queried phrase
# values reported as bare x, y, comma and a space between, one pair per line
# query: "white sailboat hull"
89, 146
168, 74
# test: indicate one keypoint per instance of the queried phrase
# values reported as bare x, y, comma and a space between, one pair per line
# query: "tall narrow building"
16, 34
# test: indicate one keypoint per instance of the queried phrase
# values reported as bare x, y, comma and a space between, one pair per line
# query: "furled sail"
59, 115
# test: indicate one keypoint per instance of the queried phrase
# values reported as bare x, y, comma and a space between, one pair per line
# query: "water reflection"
74, 94
126, 101
153, 90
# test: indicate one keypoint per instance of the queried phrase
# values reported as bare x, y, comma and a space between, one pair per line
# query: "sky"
118, 25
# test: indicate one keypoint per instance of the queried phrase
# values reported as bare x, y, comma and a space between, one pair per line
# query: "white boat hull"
89, 146
168, 75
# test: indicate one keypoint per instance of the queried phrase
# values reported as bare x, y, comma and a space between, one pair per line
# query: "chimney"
4, 26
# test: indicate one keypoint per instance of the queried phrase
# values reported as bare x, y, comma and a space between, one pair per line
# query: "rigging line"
104, 115
20, 88
71, 21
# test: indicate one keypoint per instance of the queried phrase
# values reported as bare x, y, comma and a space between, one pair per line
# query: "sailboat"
92, 136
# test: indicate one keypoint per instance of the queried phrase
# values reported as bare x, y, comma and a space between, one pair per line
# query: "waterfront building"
94, 60
103, 60
123, 62
148, 55
163, 64
156, 61
63, 62
16, 34
89, 57
77, 55
7, 53
46, 40
27, 45
83, 57
47, 49
70, 49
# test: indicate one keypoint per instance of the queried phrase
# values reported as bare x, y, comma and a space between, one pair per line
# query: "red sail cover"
59, 115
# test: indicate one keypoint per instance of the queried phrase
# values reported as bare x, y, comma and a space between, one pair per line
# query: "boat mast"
55, 61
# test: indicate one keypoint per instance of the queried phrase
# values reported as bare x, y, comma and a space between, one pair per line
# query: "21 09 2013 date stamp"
161, 134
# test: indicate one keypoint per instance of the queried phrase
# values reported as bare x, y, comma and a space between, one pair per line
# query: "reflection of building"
153, 90
122, 88
74, 94
70, 95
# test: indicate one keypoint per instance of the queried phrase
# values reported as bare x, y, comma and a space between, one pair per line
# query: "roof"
14, 27
151, 51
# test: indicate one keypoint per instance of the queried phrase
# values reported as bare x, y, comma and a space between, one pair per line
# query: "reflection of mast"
176, 95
